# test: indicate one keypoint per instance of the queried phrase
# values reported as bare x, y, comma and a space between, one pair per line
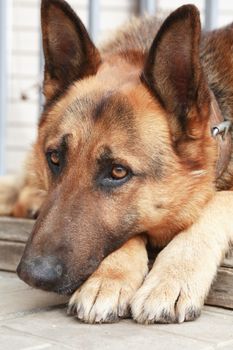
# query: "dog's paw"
9, 191
166, 300
19, 200
29, 202
105, 297
102, 300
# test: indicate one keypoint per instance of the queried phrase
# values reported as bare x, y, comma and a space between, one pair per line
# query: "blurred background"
21, 58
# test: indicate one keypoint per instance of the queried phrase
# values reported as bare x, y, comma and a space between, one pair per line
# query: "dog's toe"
101, 300
188, 307
165, 302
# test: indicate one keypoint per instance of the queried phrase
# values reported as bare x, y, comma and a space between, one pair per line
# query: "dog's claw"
71, 310
159, 301
190, 314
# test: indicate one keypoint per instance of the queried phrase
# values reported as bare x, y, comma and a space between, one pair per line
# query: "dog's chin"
69, 287
66, 290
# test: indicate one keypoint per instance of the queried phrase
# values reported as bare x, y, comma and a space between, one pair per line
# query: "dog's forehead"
100, 116
92, 110
97, 113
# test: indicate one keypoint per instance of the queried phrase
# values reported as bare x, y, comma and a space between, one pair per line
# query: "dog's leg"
106, 295
176, 287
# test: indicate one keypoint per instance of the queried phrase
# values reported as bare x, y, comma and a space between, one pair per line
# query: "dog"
133, 149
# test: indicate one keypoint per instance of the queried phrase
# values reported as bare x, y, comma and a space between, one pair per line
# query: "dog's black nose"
41, 272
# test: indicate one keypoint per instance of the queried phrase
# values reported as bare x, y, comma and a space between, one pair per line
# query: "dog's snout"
41, 272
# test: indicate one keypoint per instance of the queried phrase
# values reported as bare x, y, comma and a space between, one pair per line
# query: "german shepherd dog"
133, 148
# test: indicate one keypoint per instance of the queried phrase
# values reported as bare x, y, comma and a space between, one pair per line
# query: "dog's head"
123, 145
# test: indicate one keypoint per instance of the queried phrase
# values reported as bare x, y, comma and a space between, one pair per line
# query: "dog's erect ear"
69, 52
173, 71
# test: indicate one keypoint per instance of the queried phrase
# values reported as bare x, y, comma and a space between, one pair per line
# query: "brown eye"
54, 161
54, 158
118, 172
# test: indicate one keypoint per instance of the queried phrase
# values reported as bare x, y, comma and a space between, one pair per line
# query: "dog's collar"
220, 130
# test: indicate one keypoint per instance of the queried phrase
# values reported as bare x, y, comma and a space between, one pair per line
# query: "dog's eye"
119, 172
115, 176
53, 158
56, 156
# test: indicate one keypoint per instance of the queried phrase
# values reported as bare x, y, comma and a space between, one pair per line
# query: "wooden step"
13, 236
221, 293
15, 232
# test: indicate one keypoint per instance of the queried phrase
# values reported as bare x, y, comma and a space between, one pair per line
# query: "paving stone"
14, 340
17, 298
213, 326
218, 310
226, 347
55, 326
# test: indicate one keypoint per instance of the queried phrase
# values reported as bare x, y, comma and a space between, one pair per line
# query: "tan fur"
9, 192
126, 104
106, 295
176, 287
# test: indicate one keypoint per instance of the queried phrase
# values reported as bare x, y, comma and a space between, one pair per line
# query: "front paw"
102, 299
166, 300
29, 202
